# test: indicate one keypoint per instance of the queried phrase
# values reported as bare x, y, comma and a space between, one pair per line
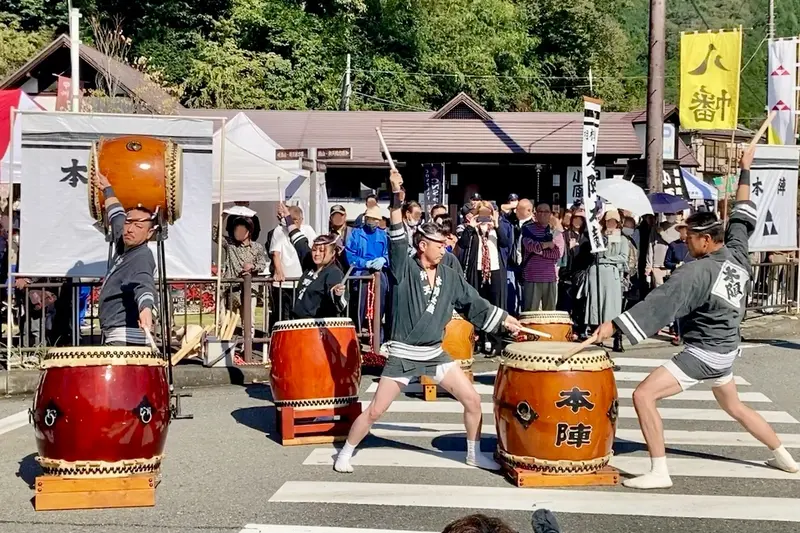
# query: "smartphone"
484, 220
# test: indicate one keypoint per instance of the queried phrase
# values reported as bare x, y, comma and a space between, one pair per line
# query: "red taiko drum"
556, 323
551, 416
459, 341
315, 362
101, 411
143, 171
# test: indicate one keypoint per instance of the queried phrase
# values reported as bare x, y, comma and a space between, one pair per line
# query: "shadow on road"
29, 469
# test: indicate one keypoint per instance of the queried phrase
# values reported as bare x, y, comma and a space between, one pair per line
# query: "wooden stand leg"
298, 427
55, 493
429, 388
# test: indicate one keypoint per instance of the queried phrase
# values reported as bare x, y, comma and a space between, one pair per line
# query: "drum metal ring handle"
613, 411
133, 146
525, 414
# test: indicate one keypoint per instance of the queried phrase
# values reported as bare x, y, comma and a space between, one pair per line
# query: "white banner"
575, 183
57, 235
782, 70
592, 204
773, 188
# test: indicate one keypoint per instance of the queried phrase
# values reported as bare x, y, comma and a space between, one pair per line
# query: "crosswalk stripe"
625, 411
15, 421
690, 395
559, 501
636, 377
674, 437
632, 465
272, 528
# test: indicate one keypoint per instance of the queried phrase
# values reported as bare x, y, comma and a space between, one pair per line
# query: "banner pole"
10, 277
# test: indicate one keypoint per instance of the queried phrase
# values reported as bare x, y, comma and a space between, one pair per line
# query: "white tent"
250, 171
12, 142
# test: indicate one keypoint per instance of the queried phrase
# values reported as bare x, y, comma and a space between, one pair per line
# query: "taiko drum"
552, 416
143, 171
459, 341
315, 362
101, 411
557, 324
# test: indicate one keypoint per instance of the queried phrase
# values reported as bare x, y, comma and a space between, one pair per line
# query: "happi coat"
420, 312
708, 296
315, 297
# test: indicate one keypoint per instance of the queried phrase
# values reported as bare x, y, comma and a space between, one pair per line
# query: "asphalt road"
224, 470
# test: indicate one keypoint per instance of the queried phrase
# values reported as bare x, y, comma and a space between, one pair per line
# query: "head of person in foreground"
705, 234
140, 225
323, 250
430, 244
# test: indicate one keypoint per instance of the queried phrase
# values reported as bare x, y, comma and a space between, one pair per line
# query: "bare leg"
754, 423
659, 384
457, 384
387, 391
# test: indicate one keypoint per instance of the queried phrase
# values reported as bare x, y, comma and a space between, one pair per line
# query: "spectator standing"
542, 250
287, 265
337, 226
370, 201
677, 255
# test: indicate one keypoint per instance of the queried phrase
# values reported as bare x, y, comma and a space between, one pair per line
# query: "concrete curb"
186, 376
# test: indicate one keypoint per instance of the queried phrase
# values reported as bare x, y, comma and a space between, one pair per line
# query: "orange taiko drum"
315, 363
557, 323
555, 417
459, 341
143, 171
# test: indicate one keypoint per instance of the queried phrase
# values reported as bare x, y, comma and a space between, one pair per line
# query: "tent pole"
219, 225
10, 278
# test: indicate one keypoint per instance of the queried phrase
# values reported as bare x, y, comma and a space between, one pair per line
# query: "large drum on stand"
143, 171
315, 363
459, 341
557, 323
555, 417
101, 411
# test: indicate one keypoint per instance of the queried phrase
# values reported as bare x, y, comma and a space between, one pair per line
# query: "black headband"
705, 227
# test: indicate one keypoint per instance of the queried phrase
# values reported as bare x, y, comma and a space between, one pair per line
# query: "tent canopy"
18, 99
696, 188
250, 171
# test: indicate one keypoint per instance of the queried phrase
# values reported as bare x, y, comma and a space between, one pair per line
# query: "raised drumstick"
386, 149
762, 129
536, 333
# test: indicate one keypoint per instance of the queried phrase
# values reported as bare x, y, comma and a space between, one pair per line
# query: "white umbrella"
625, 195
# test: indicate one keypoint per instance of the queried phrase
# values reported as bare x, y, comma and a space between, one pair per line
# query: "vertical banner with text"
433, 178
710, 67
592, 204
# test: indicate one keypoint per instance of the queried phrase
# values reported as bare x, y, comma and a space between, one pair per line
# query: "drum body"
143, 171
459, 341
552, 417
315, 363
101, 411
556, 323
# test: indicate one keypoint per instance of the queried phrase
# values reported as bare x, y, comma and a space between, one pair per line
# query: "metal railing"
774, 287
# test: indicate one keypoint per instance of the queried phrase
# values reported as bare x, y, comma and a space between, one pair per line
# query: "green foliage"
407, 54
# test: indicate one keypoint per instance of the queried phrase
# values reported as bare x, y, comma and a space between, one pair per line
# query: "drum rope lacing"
172, 156
554, 467
591, 362
59, 467
317, 403
98, 356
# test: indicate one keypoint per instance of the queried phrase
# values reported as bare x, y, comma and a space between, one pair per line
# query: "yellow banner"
710, 67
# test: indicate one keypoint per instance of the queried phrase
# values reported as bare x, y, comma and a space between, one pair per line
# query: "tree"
18, 46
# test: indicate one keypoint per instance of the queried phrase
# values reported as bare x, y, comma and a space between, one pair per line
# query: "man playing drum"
708, 297
424, 293
127, 296
320, 293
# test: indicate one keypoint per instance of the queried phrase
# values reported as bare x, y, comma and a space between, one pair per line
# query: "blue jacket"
677, 252
363, 247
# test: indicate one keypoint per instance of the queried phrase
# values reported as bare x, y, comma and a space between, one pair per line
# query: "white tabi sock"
783, 461
657, 478
476, 458
342, 463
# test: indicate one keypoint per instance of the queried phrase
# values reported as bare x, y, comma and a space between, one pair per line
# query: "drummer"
424, 294
708, 297
321, 292
127, 297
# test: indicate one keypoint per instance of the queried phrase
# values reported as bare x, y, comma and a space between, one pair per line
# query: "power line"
495, 76
384, 101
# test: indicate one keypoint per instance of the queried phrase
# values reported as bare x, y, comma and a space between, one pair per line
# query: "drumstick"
347, 275
386, 149
150, 339
762, 129
530, 331
585, 344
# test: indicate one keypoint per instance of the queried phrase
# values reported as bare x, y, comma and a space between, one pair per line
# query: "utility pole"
74, 53
346, 88
771, 22
654, 146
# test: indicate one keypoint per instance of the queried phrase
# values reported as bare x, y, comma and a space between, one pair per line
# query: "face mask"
370, 226
672, 219
412, 223
627, 231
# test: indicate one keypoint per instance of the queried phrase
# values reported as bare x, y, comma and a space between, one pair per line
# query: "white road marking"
674, 437
637, 377
271, 528
717, 468
598, 502
625, 411
690, 395
16, 421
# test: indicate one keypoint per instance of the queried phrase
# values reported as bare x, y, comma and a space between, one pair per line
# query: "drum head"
546, 356
546, 317
101, 356
313, 323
